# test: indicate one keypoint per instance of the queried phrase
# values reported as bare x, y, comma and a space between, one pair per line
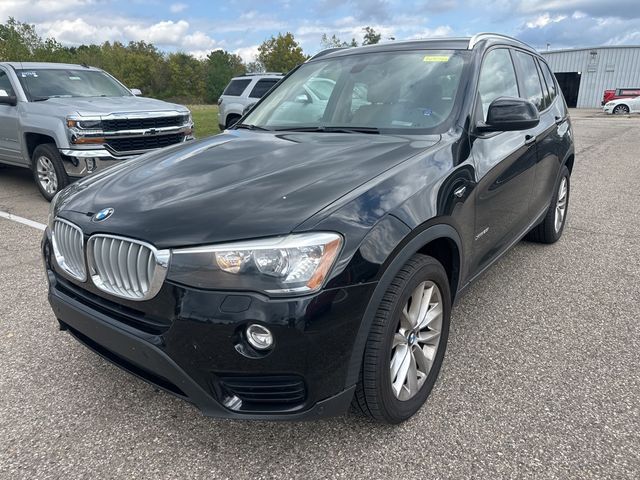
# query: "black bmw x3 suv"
307, 259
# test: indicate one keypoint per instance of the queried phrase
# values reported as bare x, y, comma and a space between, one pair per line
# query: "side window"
545, 89
236, 87
530, 80
6, 90
551, 84
261, 87
497, 78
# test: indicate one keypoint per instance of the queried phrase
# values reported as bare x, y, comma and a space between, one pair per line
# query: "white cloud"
544, 20
441, 31
248, 54
163, 33
178, 7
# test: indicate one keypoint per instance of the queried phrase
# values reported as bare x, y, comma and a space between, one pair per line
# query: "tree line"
175, 76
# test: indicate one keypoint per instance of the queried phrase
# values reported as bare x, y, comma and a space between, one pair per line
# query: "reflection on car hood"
236, 185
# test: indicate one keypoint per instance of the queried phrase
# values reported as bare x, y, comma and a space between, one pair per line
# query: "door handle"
529, 140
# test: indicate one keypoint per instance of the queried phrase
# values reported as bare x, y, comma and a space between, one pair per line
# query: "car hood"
92, 106
237, 185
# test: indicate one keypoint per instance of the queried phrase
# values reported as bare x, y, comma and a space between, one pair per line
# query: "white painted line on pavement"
24, 221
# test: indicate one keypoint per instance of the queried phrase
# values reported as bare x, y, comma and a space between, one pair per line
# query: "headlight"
84, 124
296, 264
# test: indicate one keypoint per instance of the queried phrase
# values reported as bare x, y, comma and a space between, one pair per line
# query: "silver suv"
242, 92
67, 121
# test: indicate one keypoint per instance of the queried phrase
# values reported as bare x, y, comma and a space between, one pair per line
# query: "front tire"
551, 228
621, 110
48, 171
406, 344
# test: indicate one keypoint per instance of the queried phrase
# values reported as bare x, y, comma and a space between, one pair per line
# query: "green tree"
20, 42
220, 66
185, 82
281, 53
370, 36
334, 42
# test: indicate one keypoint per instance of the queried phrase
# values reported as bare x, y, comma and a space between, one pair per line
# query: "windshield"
412, 91
48, 83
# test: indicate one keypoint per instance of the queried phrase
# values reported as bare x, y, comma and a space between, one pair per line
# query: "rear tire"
48, 171
395, 341
621, 110
551, 228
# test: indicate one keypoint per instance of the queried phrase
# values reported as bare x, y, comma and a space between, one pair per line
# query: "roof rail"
260, 73
326, 51
478, 37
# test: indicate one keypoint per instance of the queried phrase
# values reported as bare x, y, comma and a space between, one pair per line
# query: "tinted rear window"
262, 87
236, 87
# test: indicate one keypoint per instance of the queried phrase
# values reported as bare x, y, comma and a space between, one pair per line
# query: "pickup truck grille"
141, 123
148, 142
125, 268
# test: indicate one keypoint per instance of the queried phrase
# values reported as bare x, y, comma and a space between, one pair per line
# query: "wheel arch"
32, 140
440, 241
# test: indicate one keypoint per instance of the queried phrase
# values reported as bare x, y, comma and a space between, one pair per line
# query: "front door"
9, 136
505, 167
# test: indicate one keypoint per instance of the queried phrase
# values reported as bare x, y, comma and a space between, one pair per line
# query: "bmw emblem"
103, 214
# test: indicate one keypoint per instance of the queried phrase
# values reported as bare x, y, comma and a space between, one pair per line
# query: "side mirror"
508, 114
136, 91
6, 99
303, 98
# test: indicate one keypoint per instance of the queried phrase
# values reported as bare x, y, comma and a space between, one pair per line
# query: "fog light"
91, 164
259, 337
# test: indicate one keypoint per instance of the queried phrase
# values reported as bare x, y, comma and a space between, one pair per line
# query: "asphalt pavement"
541, 377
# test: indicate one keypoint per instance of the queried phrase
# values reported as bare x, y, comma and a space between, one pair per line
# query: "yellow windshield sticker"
436, 58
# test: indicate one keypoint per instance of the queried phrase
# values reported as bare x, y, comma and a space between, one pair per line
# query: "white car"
622, 106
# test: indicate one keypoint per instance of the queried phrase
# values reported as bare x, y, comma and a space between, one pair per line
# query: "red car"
619, 93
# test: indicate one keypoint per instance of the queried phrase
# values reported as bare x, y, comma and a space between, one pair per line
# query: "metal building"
585, 73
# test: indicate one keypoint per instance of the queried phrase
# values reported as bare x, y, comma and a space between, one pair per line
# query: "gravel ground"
541, 378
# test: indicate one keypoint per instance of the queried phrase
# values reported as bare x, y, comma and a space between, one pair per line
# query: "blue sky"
199, 26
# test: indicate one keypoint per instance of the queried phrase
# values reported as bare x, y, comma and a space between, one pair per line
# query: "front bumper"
79, 163
185, 341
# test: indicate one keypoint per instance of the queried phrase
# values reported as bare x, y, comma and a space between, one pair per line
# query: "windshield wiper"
39, 99
247, 126
331, 129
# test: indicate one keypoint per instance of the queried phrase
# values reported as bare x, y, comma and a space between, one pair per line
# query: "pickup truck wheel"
406, 343
551, 228
48, 170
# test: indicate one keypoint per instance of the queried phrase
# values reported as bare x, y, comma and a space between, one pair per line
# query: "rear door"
9, 135
505, 166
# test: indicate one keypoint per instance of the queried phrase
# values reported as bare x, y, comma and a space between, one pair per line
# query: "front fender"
403, 252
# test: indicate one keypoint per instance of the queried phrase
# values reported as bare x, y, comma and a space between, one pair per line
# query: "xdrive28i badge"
103, 214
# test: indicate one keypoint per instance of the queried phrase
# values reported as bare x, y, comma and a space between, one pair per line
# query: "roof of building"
577, 49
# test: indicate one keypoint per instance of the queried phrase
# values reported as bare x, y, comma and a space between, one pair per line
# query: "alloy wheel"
47, 175
561, 205
416, 341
